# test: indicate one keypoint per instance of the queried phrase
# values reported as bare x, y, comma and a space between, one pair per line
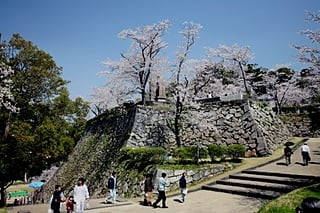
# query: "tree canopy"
43, 124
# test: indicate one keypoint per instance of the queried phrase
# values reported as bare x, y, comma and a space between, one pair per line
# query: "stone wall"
193, 176
94, 155
302, 124
224, 123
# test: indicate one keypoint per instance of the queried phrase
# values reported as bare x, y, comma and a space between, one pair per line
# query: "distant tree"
256, 78
213, 80
311, 55
284, 85
233, 58
137, 66
106, 97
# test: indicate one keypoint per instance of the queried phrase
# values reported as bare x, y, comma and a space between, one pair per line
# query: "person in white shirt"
80, 194
305, 152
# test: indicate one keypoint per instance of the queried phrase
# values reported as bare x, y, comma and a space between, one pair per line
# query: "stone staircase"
261, 184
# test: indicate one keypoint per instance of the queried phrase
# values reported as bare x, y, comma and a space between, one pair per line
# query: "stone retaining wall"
302, 124
193, 176
224, 123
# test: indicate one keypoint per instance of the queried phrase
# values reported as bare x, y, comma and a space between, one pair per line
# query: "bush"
191, 153
235, 151
216, 151
140, 158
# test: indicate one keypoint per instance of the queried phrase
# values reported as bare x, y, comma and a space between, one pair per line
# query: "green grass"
3, 210
288, 203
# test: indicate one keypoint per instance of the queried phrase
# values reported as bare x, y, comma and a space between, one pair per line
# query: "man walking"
163, 182
305, 152
112, 185
183, 186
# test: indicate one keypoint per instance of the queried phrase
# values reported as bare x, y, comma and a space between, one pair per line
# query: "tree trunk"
2, 197
244, 78
143, 97
177, 122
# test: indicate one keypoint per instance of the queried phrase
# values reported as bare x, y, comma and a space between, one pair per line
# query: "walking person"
81, 195
287, 154
305, 152
183, 186
56, 199
163, 182
148, 188
112, 186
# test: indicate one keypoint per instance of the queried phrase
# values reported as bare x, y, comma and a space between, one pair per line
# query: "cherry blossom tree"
287, 88
137, 66
233, 58
311, 55
6, 97
213, 80
189, 32
103, 99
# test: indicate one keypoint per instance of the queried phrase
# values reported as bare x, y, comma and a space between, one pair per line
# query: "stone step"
250, 192
283, 188
299, 176
260, 184
299, 182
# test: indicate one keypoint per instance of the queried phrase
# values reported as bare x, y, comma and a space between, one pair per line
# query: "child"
70, 205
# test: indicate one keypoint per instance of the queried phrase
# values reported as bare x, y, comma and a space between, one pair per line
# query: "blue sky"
80, 34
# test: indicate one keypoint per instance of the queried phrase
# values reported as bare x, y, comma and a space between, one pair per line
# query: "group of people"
162, 184
78, 202
305, 153
75, 203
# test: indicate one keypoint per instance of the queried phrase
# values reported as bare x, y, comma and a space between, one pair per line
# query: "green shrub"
216, 151
191, 153
140, 158
235, 151
181, 154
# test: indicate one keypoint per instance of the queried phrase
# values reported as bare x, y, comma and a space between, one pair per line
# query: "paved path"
296, 166
202, 201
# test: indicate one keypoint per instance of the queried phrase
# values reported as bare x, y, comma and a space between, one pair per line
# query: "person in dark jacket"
57, 198
148, 188
183, 186
287, 154
112, 186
